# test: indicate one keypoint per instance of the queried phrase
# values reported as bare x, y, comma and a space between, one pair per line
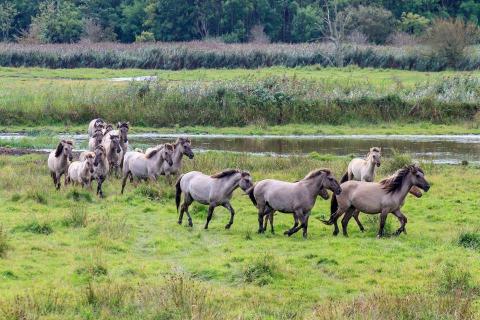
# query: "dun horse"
94, 125
364, 170
81, 171
121, 133
95, 140
387, 196
181, 147
146, 166
214, 191
58, 161
111, 144
100, 168
297, 198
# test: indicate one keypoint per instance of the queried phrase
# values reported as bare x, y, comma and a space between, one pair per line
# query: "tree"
413, 23
7, 18
375, 22
58, 22
450, 37
307, 24
335, 29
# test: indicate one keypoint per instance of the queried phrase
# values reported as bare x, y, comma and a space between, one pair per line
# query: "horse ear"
118, 125
59, 150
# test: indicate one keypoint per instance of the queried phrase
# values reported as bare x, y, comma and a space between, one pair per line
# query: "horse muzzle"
426, 187
170, 162
378, 164
337, 191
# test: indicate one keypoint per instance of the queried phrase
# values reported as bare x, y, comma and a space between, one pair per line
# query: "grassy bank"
70, 255
272, 97
193, 55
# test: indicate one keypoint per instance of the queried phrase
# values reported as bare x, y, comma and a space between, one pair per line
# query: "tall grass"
192, 55
270, 101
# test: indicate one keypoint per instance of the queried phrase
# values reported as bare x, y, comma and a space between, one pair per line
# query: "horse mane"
394, 182
181, 140
315, 173
375, 149
122, 124
59, 149
153, 152
101, 147
89, 155
225, 173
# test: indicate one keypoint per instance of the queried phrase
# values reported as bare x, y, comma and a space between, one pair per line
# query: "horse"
95, 140
364, 170
81, 171
181, 147
100, 168
297, 198
111, 143
107, 128
384, 197
94, 125
214, 191
269, 217
146, 166
58, 161
121, 132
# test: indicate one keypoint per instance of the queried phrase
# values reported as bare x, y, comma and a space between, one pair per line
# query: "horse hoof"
345, 235
335, 234
228, 226
190, 224
285, 233
179, 222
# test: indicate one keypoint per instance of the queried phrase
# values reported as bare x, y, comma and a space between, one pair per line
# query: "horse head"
186, 147
375, 155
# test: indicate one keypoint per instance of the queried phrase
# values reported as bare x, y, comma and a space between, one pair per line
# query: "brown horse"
387, 196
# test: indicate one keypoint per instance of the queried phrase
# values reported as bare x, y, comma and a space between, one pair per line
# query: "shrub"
375, 22
145, 36
395, 162
261, 271
469, 240
449, 38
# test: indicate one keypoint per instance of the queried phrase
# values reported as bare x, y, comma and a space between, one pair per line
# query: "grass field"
69, 255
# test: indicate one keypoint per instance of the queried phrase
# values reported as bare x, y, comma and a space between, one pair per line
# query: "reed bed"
211, 54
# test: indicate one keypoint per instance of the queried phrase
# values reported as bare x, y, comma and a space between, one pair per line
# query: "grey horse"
59, 160
387, 196
297, 198
214, 191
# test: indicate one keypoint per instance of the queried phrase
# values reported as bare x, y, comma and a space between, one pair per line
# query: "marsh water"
436, 148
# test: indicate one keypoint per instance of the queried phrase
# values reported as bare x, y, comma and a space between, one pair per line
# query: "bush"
36, 227
469, 240
375, 22
261, 271
145, 36
395, 162
449, 38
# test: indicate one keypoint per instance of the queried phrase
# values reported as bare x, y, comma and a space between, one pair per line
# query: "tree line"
373, 21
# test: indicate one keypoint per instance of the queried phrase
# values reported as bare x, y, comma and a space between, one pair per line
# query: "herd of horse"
356, 192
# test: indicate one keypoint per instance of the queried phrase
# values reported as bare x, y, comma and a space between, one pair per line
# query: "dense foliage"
232, 20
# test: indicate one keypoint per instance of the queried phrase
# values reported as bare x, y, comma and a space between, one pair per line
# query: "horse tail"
344, 178
333, 210
178, 192
252, 197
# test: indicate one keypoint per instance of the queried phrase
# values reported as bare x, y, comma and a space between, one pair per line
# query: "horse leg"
383, 219
334, 218
187, 201
261, 214
305, 224
232, 214
124, 181
58, 177
348, 215
403, 221
295, 224
299, 217
355, 216
100, 180
211, 207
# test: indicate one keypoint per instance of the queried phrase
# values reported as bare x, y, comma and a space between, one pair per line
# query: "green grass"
125, 257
